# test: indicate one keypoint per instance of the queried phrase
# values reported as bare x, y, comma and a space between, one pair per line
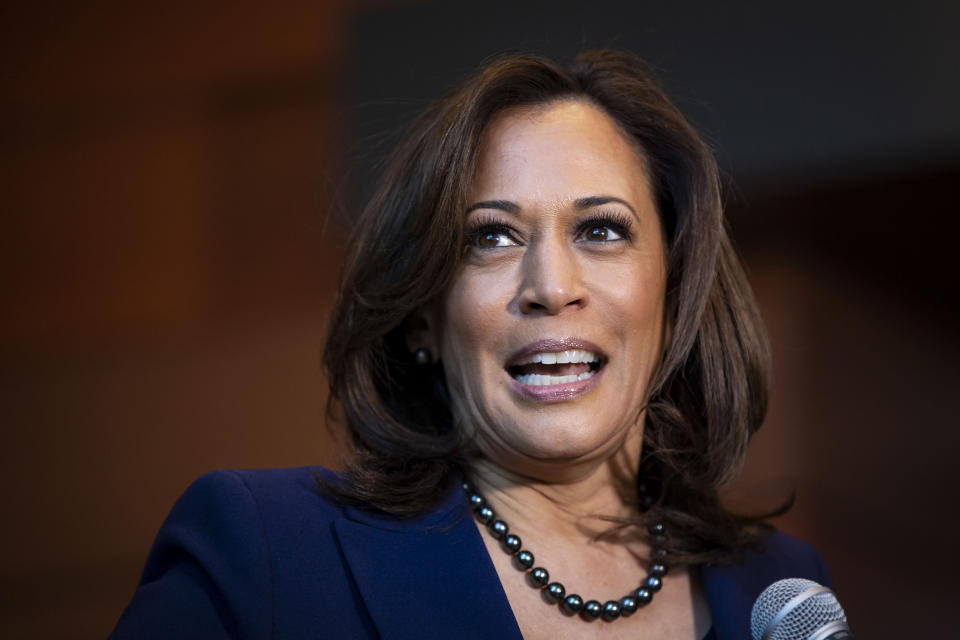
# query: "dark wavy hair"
709, 394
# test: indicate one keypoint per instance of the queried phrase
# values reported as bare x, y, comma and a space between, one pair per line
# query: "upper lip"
552, 345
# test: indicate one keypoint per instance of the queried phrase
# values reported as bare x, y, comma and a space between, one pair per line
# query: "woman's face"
552, 329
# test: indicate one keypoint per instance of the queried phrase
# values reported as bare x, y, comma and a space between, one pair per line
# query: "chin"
569, 439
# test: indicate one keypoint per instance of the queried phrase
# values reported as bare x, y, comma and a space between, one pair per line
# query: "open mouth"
556, 367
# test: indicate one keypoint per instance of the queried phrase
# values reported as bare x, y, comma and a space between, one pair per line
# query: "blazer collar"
428, 577
421, 577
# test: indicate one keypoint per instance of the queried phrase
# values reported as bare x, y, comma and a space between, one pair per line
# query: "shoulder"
299, 482
271, 520
782, 553
732, 590
246, 506
265, 553
779, 556
265, 490
213, 569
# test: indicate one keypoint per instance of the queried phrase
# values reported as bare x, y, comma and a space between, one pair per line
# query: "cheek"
473, 312
634, 300
474, 319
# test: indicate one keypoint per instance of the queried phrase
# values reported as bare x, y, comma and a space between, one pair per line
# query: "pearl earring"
422, 356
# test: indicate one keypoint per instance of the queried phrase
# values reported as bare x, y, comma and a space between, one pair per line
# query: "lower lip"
556, 392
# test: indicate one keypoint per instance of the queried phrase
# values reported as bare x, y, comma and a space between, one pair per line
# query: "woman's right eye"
491, 237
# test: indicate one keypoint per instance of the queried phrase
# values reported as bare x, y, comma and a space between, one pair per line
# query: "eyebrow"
579, 203
502, 205
596, 201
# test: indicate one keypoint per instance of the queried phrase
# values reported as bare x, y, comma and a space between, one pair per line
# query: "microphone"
798, 609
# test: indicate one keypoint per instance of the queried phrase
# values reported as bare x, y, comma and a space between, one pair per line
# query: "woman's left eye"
602, 233
604, 227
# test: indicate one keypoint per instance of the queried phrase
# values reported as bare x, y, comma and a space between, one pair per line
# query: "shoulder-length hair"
710, 392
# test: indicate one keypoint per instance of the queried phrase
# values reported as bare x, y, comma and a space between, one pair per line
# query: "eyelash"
485, 225
617, 222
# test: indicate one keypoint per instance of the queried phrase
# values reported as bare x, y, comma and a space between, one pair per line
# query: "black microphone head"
796, 609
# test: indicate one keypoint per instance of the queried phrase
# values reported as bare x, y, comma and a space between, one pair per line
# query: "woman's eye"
492, 238
601, 233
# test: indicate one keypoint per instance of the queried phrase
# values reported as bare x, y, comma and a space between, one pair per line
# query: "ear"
419, 331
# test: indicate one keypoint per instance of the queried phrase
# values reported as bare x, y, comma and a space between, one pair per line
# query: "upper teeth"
559, 357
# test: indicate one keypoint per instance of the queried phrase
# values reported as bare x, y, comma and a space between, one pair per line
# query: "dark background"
177, 178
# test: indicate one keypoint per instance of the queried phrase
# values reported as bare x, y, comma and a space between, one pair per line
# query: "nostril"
532, 306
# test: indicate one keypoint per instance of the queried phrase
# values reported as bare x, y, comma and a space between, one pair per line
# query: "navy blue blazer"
262, 554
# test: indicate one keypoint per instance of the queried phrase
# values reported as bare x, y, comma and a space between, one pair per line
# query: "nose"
552, 279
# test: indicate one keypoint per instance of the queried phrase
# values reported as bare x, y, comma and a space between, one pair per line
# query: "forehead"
561, 149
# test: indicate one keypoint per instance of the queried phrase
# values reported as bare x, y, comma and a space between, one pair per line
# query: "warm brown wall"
167, 262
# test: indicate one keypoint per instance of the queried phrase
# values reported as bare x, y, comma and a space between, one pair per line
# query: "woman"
542, 322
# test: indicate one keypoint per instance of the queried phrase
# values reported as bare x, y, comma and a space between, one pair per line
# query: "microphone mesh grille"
810, 615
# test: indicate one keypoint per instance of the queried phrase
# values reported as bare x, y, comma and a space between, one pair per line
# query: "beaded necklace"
539, 577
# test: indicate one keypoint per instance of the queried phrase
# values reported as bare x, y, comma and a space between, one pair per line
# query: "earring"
422, 356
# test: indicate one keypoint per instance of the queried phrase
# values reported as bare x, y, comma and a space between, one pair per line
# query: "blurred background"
177, 178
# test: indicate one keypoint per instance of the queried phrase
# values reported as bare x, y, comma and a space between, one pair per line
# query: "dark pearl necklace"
539, 578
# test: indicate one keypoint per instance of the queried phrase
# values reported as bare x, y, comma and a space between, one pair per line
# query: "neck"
573, 500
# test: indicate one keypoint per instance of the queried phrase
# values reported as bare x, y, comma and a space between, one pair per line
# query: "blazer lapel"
430, 577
